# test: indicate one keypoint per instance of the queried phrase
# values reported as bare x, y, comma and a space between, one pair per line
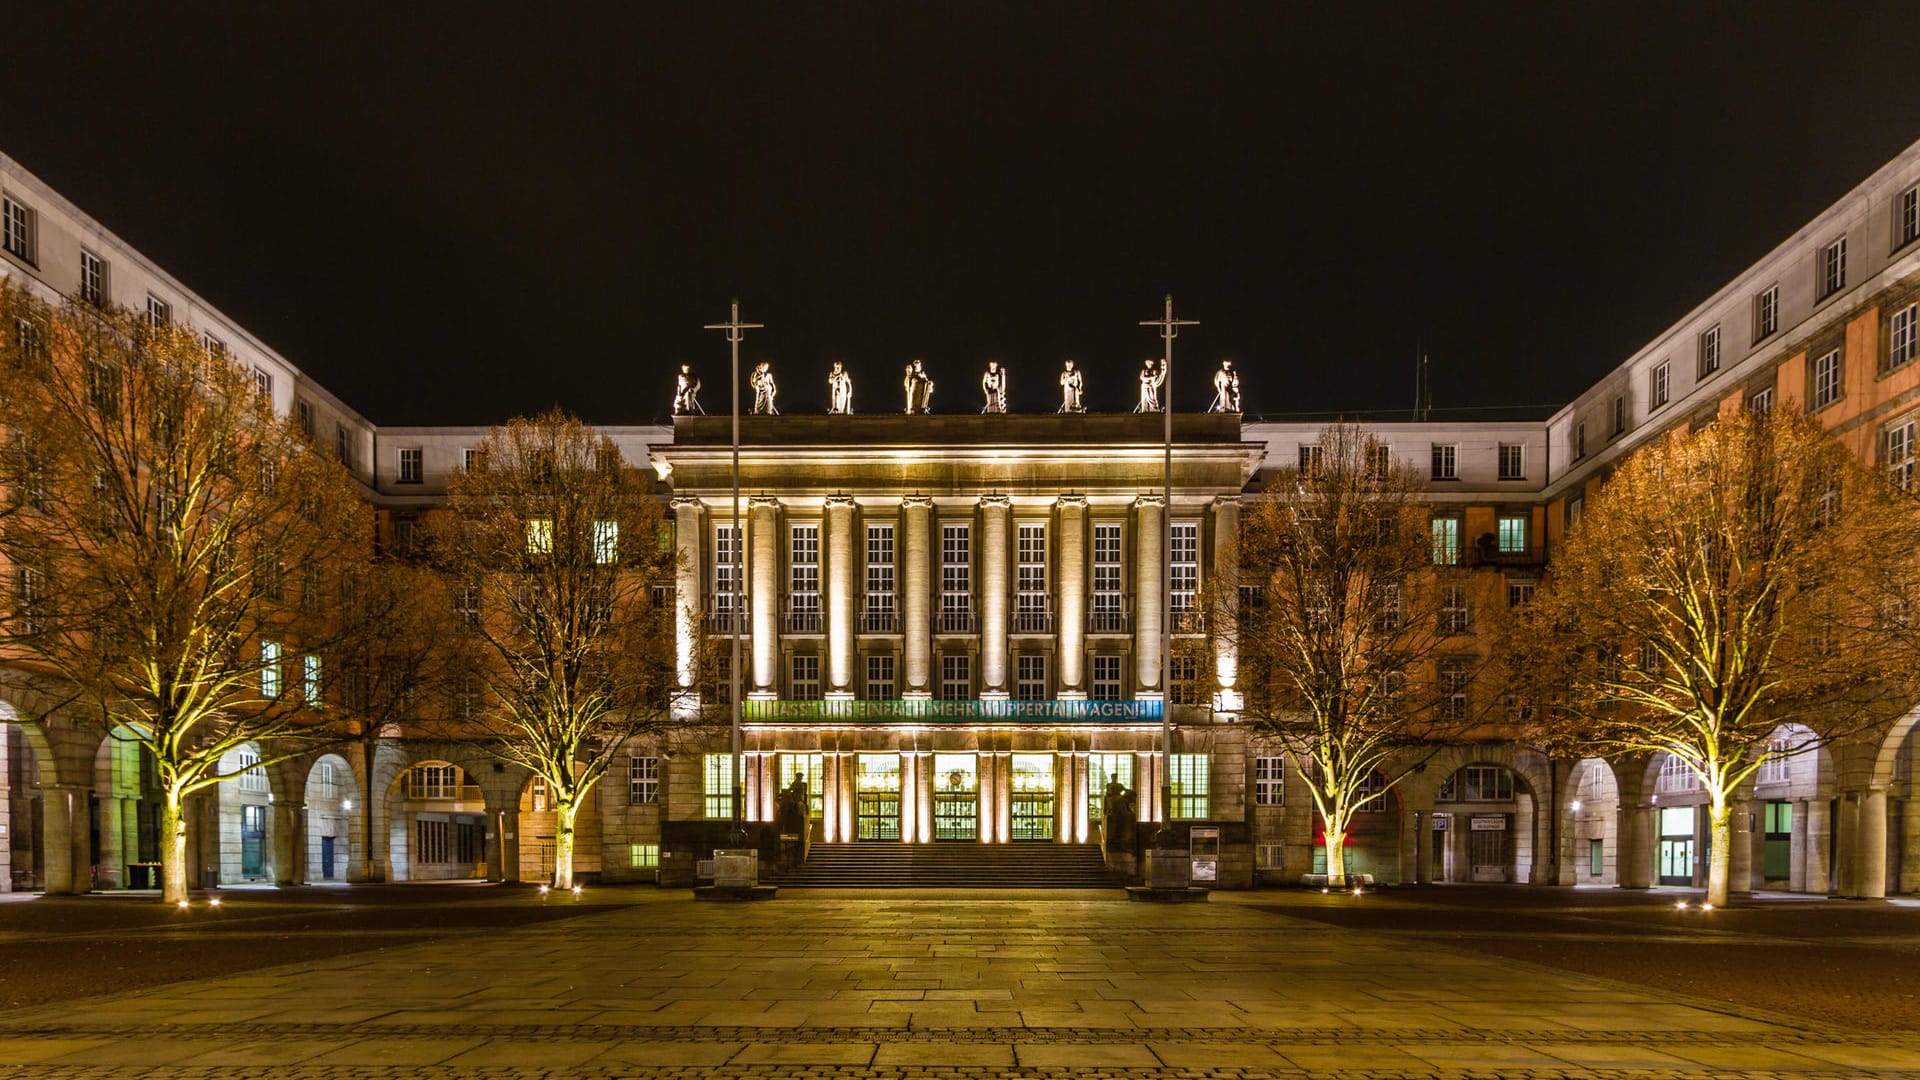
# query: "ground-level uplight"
213, 902
1706, 907
576, 890
183, 905
544, 889
1682, 905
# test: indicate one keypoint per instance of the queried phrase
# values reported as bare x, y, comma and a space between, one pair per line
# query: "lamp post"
1169, 329
736, 331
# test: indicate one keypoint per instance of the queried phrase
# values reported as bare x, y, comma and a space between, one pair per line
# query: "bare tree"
1350, 651
1721, 584
560, 543
174, 549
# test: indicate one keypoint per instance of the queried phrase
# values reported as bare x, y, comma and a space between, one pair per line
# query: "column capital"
1071, 498
840, 502
763, 502
917, 502
1221, 501
996, 500
1150, 500
688, 502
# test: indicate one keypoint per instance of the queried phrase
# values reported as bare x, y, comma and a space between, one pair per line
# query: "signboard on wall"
955, 712
1488, 823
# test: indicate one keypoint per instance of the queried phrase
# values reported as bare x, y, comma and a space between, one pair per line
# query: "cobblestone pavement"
947, 987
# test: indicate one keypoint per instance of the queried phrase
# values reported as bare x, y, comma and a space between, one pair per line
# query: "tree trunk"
1337, 851
1720, 851
563, 815
173, 848
369, 871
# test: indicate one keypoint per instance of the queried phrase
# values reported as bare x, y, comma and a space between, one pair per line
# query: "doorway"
253, 834
1676, 845
1033, 797
956, 797
877, 797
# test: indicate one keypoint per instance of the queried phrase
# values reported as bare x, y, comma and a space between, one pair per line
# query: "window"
1896, 452
539, 536
956, 578
1513, 461
643, 780
1104, 769
1901, 337
1455, 684
1907, 225
1379, 462
1512, 534
269, 668
1762, 400
804, 676
1619, 415
539, 795
1455, 616
342, 449
1710, 351
1520, 591
1766, 313
726, 549
1109, 613
1270, 856
880, 597
1269, 781
1576, 504
1446, 541
717, 785
431, 840
1371, 790
1833, 268
466, 700
1675, 775
1183, 566
606, 543
1184, 682
252, 775
1388, 611
411, 469
469, 458
303, 412
30, 339
803, 578
310, 681
213, 345
644, 856
1030, 580
880, 684
811, 768
1486, 783
956, 676
1030, 677
1580, 440
1187, 786
1659, 383
30, 595
16, 229
1446, 461
434, 782
718, 687
93, 278
1826, 379
159, 312
1106, 677
1309, 458
1774, 768
466, 603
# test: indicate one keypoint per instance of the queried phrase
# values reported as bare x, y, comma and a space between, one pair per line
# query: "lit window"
812, 769
1902, 339
539, 536
644, 856
93, 278
880, 617
717, 779
956, 578
1675, 775
1766, 312
269, 668
1104, 769
310, 681
803, 579
606, 542
1183, 566
1188, 786
1446, 541
1106, 677
643, 780
956, 676
1513, 461
1513, 534
1030, 579
434, 782
1833, 268
252, 776
1109, 604
1269, 781
1710, 351
1826, 379
1896, 451
726, 582
16, 229
1446, 461
412, 468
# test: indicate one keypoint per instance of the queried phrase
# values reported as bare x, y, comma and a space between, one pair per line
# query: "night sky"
454, 214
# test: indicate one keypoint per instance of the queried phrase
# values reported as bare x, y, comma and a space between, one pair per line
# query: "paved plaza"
1007, 984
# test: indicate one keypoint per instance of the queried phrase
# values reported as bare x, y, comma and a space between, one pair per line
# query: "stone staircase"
952, 865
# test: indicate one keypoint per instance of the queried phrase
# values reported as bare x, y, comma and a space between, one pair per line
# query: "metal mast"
736, 331
1169, 329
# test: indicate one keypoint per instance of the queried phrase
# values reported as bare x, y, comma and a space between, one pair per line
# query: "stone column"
849, 796
288, 845
909, 799
1148, 572
1870, 862
923, 808
1226, 607
506, 844
1003, 797
1740, 861
1819, 833
1081, 780
995, 513
1070, 586
915, 616
764, 515
843, 598
687, 599
1063, 798
1846, 851
1634, 864
750, 786
830, 797
60, 871
1146, 769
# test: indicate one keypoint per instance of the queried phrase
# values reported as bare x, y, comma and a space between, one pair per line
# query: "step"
953, 864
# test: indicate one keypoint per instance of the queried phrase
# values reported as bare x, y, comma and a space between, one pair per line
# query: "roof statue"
686, 392
1226, 389
1152, 377
1071, 384
839, 390
919, 387
763, 389
993, 386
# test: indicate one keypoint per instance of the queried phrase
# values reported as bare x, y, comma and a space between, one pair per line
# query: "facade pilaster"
830, 797
909, 798
847, 790
687, 535
842, 598
1634, 868
995, 513
916, 617
1846, 848
1870, 862
764, 522
506, 845
1226, 606
1081, 793
1070, 585
1148, 572
1740, 860
62, 873
923, 806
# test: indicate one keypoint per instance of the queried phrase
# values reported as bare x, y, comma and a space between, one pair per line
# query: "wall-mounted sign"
1488, 823
951, 712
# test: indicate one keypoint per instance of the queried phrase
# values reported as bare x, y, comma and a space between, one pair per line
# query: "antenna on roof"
1422, 384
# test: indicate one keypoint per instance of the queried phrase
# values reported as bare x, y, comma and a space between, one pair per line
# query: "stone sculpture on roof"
919, 387
1071, 384
839, 390
993, 386
1226, 389
763, 389
686, 392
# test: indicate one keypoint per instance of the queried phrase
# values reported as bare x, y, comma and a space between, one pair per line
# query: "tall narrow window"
1766, 313
342, 449
1183, 566
956, 578
643, 780
1902, 341
803, 579
1580, 440
1379, 462
539, 536
810, 769
1189, 786
804, 683
726, 549
1446, 541
159, 312
1619, 415
1826, 379
1030, 677
880, 617
1446, 461
1909, 216
880, 684
717, 787
253, 776
606, 543
16, 229
310, 682
411, 469
1455, 616
1106, 677
1512, 534
269, 668
1833, 268
1896, 449
1109, 603
1659, 384
1513, 461
1269, 781
1455, 686
1030, 580
1710, 351
956, 676
93, 278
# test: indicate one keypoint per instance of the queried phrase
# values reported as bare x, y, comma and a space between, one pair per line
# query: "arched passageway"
436, 823
334, 832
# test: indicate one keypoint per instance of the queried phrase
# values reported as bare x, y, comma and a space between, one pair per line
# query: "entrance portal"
253, 832
877, 797
1676, 845
1033, 796
956, 797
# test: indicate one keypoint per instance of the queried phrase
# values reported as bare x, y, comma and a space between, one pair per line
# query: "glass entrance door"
1032, 797
1676, 845
253, 832
877, 797
956, 797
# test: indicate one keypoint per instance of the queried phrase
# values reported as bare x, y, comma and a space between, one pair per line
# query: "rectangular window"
1446, 541
1710, 351
1309, 458
1188, 786
16, 229
811, 769
411, 469
1580, 440
803, 579
1184, 681
1269, 781
1379, 462
1104, 769
1486, 783
263, 384
310, 681
438, 782
1619, 415
1773, 768
1659, 384
466, 699
880, 617
303, 414
432, 840
1030, 580
956, 578
1030, 677
1766, 313
269, 668
1513, 534
1109, 603
1675, 775
1455, 685
1446, 461
1455, 616
880, 684
1826, 379
469, 458
643, 856
717, 787
1908, 225
1520, 591
956, 677
1762, 400
1513, 461
93, 278
726, 550
1902, 340
253, 775
1183, 567
30, 339
1270, 856
1106, 677
213, 345
606, 543
342, 449
1833, 268
1896, 451
539, 536
159, 312
804, 672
